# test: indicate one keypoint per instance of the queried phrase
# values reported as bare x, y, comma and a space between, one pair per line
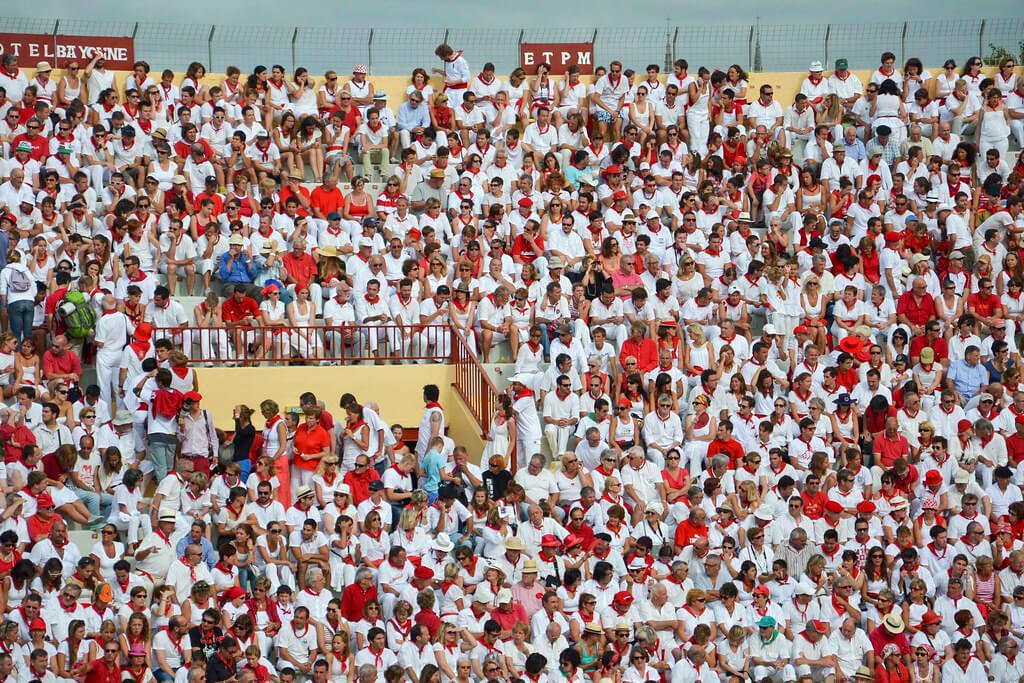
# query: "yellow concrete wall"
786, 83
397, 388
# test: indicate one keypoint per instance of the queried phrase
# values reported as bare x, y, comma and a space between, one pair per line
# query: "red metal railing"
473, 385
312, 345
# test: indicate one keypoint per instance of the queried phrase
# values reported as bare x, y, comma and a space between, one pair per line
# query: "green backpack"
77, 315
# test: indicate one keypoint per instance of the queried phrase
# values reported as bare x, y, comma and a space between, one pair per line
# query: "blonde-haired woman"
570, 479
696, 612
698, 354
701, 427
275, 447
783, 294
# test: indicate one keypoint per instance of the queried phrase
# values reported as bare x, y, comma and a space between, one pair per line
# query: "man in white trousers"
113, 330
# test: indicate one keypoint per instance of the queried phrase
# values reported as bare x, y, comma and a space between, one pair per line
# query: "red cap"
425, 573
525, 201
930, 617
572, 540
833, 506
1004, 528
415, 233
550, 541
818, 625
612, 170
234, 593
866, 506
762, 590
874, 178
623, 401
623, 598
892, 237
933, 478
44, 500
801, 329
964, 425
37, 625
9, 217
620, 194
193, 396
268, 289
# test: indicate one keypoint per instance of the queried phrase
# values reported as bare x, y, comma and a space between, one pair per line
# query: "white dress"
106, 568
698, 122
696, 451
306, 346
497, 438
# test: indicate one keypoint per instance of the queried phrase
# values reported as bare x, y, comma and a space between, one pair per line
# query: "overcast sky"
522, 14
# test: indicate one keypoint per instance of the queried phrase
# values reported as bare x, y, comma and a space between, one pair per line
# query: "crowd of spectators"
766, 420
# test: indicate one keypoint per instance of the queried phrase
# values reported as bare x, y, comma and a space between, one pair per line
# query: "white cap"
815, 66
503, 596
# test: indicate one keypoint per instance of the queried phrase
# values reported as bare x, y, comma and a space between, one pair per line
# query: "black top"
242, 442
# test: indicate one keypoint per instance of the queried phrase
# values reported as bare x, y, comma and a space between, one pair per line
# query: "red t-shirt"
731, 448
287, 192
360, 484
524, 250
37, 527
218, 203
1015, 449
40, 146
939, 346
67, 364
101, 672
20, 434
984, 305
326, 201
814, 505
184, 149
686, 532
300, 269
234, 311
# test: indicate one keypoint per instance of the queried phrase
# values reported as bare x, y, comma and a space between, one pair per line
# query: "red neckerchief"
840, 610
191, 569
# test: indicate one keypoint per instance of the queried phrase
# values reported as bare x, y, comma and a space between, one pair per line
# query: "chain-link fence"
755, 47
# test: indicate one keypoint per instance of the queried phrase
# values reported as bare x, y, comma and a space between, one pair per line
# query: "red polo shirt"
888, 450
360, 483
299, 268
234, 311
939, 346
918, 313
